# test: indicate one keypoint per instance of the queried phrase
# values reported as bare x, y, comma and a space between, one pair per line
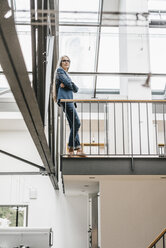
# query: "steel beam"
21, 173
41, 60
98, 48
117, 74
33, 39
23, 160
114, 166
51, 11
14, 68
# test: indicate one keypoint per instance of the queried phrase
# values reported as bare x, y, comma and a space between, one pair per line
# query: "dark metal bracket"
23, 160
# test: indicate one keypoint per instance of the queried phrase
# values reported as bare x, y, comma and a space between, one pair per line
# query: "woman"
63, 88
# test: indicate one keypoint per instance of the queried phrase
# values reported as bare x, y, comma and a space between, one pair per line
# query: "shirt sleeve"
64, 79
75, 88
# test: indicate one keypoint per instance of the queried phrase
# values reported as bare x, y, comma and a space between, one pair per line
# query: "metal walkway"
113, 166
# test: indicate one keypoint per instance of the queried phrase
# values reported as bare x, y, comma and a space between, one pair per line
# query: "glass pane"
24, 35
78, 17
109, 50
107, 83
157, 56
8, 216
5, 87
75, 5
22, 17
86, 86
21, 5
79, 43
21, 216
3, 82
5, 90
79, 11
158, 83
157, 5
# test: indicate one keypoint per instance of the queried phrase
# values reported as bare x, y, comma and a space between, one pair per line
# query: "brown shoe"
80, 153
71, 152
146, 85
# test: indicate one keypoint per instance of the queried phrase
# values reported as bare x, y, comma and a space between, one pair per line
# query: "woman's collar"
63, 69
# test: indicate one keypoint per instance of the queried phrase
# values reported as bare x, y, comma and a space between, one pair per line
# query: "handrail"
133, 129
157, 239
105, 100
124, 74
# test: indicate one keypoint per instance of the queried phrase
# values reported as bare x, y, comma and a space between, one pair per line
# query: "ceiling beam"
14, 68
118, 74
98, 46
22, 173
23, 160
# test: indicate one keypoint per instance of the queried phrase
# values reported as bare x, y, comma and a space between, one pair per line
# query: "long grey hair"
59, 64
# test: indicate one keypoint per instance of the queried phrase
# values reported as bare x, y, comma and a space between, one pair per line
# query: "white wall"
132, 212
67, 215
20, 144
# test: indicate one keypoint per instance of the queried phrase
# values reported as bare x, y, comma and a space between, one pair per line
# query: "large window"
79, 43
109, 50
157, 40
15, 215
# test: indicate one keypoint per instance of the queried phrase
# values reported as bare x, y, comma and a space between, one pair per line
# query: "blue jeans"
74, 124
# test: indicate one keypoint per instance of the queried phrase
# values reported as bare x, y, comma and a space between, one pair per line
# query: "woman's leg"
74, 123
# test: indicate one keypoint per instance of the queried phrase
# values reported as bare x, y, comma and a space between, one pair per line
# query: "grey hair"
59, 64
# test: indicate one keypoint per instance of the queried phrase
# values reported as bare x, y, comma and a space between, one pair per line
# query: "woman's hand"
62, 85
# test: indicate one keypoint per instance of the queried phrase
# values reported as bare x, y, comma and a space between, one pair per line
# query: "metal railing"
118, 127
159, 242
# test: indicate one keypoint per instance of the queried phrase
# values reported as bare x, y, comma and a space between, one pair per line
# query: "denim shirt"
66, 92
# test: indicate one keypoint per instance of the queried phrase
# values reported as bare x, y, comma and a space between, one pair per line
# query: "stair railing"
119, 127
161, 236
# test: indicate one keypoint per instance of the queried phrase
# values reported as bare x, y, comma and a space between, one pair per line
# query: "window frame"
18, 206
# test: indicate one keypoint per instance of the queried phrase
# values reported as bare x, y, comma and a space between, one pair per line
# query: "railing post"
82, 125
139, 120
107, 142
147, 114
164, 241
156, 131
56, 138
115, 127
90, 126
123, 129
65, 132
98, 128
131, 128
61, 131
164, 131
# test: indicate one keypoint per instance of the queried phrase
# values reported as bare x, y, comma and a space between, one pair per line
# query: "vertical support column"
41, 58
94, 221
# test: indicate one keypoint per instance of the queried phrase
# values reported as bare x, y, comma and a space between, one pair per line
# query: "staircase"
159, 242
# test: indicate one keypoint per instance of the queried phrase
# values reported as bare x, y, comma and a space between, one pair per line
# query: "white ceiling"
89, 184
